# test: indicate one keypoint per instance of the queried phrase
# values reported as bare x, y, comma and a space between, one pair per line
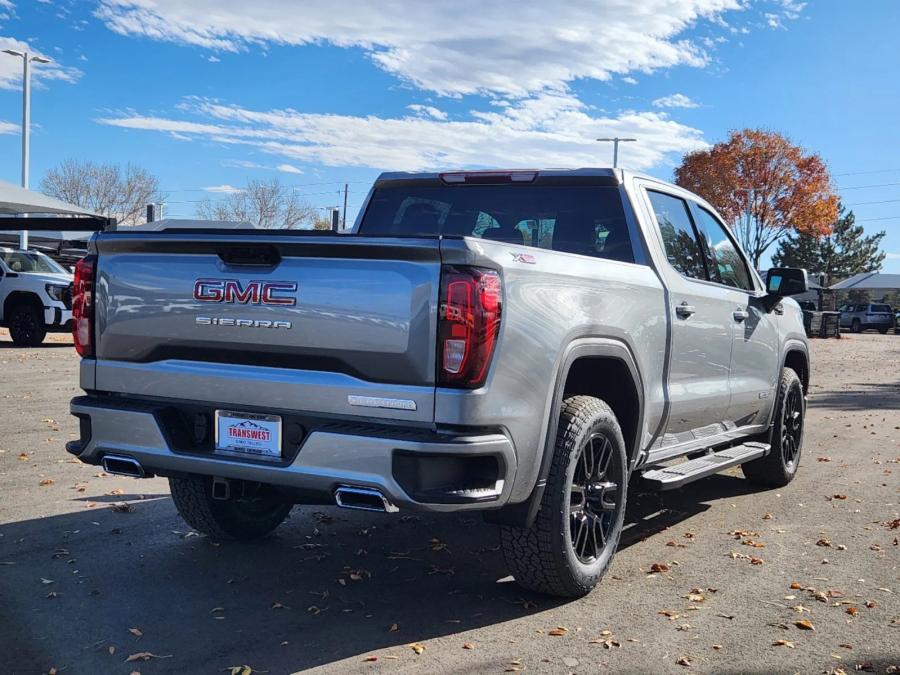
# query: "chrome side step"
676, 475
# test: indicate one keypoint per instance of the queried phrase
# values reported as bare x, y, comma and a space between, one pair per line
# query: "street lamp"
27, 60
615, 141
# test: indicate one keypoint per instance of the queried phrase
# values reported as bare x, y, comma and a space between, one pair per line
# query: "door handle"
684, 310
740, 314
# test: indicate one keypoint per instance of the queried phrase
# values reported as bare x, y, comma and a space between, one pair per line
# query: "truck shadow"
329, 585
868, 396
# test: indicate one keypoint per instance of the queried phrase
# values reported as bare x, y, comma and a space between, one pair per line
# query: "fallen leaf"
240, 670
804, 624
136, 632
468, 645
823, 542
559, 631
796, 586
417, 648
783, 643
23, 457
394, 627
659, 567
46, 481
684, 661
852, 611
370, 659
146, 656
111, 649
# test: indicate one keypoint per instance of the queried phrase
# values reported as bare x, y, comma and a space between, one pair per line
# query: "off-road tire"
774, 470
226, 519
883, 331
26, 325
541, 557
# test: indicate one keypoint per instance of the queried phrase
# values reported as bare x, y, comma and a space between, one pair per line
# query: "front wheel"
856, 326
223, 519
26, 326
779, 467
570, 545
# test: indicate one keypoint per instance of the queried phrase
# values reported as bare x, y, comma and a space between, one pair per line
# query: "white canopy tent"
17, 201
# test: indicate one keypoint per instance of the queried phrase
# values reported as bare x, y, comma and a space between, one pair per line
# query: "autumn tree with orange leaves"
764, 186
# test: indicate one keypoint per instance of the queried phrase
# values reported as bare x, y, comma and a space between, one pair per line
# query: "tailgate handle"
256, 255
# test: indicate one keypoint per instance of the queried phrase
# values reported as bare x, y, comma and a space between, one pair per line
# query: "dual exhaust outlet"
359, 498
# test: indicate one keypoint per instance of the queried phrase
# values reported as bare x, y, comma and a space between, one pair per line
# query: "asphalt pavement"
99, 575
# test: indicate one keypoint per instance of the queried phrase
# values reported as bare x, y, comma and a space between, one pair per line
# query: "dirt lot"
96, 568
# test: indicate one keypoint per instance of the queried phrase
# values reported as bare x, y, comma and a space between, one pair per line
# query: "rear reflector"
83, 305
468, 324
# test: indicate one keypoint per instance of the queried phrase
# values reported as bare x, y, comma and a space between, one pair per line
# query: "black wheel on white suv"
223, 519
576, 532
26, 325
779, 467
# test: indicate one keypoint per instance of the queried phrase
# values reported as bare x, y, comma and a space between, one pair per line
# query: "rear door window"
880, 309
678, 234
587, 220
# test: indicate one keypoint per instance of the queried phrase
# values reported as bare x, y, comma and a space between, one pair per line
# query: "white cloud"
213, 59
9, 127
11, 68
629, 80
892, 256
452, 48
427, 111
288, 168
549, 129
675, 101
223, 189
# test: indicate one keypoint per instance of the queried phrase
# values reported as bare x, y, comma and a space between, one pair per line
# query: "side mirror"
784, 281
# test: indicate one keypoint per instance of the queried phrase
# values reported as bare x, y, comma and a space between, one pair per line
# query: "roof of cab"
394, 176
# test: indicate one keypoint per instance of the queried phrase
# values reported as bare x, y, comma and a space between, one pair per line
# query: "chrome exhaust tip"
122, 466
363, 499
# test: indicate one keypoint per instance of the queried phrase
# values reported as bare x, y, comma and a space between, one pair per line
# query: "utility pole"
346, 188
615, 140
26, 120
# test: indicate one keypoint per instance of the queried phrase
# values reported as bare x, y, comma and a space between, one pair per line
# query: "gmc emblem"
278, 293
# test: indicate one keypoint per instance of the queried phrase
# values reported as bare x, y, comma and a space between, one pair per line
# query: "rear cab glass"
880, 309
587, 220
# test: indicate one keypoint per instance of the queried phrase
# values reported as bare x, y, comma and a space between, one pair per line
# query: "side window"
728, 266
678, 234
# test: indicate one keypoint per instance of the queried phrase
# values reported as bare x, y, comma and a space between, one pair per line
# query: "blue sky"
210, 93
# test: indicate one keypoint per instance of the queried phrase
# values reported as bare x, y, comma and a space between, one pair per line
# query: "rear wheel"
779, 467
883, 331
576, 532
856, 326
234, 518
26, 325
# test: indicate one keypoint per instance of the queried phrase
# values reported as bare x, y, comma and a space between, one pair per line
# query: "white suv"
35, 296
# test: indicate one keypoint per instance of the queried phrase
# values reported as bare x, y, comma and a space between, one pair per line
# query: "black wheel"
26, 326
779, 467
856, 326
576, 532
235, 518
883, 331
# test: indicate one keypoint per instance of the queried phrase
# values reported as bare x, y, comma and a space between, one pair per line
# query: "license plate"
248, 434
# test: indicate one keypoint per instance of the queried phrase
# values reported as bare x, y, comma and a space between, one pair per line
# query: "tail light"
468, 323
83, 305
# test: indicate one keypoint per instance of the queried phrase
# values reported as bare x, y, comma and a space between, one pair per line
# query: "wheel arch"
796, 357
585, 368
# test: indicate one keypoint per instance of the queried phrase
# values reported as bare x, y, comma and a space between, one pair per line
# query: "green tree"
839, 255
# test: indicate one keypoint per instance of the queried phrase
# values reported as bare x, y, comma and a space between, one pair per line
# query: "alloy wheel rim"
23, 326
791, 428
593, 498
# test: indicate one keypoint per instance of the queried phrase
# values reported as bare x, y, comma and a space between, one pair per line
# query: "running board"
676, 475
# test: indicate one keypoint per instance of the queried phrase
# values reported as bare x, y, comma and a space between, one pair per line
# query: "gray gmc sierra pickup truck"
521, 343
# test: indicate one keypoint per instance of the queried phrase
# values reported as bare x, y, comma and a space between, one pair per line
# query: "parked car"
519, 343
865, 316
35, 296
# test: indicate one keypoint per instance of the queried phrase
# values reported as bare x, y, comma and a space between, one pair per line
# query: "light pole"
615, 141
26, 119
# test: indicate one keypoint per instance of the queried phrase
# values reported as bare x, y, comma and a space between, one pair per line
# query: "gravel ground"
97, 568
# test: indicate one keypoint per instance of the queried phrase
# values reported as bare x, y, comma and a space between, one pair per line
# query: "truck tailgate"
323, 318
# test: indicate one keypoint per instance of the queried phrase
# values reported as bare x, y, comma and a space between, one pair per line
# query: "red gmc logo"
279, 293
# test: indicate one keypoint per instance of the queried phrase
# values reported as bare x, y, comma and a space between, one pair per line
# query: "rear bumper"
408, 465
